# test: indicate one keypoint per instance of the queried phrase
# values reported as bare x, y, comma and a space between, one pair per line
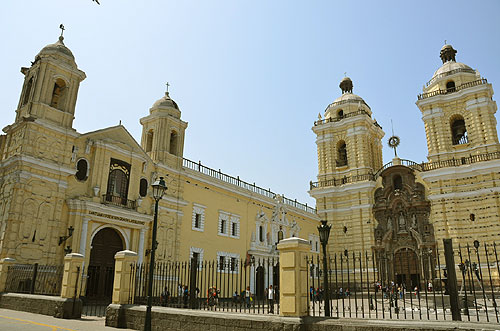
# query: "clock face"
393, 141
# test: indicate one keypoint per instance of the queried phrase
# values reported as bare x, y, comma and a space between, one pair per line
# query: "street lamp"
159, 188
324, 233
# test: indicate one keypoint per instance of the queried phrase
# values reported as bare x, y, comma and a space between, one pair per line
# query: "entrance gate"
100, 271
406, 270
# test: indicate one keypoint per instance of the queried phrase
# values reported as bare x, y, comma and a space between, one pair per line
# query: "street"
11, 320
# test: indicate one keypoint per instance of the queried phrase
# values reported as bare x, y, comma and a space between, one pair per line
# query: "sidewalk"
13, 320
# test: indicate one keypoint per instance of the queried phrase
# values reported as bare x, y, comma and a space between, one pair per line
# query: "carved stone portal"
404, 238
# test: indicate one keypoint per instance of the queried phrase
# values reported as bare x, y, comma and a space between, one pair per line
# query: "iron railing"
118, 201
449, 73
34, 279
197, 166
452, 90
409, 284
341, 181
234, 285
424, 166
342, 102
339, 118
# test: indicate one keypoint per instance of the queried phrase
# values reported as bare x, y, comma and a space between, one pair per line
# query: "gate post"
452, 280
72, 267
5, 263
122, 285
293, 276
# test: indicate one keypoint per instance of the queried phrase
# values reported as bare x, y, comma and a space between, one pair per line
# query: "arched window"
81, 169
149, 141
341, 154
27, 92
118, 183
261, 233
458, 131
450, 86
58, 93
280, 235
397, 182
173, 143
340, 114
143, 187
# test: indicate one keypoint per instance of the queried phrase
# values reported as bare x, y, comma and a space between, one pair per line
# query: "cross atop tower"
62, 29
168, 84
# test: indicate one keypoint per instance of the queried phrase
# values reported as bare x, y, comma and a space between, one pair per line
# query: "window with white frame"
198, 254
235, 227
228, 262
314, 241
229, 224
198, 218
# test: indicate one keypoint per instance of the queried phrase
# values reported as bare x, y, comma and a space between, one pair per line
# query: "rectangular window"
222, 226
227, 262
197, 220
234, 264
234, 229
221, 262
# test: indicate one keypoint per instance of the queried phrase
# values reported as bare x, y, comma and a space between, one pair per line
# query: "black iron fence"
409, 284
34, 279
225, 284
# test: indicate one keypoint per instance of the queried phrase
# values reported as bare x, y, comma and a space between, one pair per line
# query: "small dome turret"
447, 53
346, 85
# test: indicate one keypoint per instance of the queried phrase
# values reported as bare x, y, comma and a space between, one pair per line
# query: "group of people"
213, 294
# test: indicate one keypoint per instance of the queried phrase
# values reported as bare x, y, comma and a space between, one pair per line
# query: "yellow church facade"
403, 210
63, 191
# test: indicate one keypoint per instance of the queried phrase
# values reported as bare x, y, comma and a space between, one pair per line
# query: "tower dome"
450, 66
347, 95
57, 48
165, 102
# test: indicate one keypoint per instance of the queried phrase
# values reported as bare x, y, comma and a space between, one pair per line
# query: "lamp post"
159, 188
324, 233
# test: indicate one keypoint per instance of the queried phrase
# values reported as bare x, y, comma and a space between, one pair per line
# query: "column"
71, 278
141, 245
83, 237
122, 284
293, 276
4, 268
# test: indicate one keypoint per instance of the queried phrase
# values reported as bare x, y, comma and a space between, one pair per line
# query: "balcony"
452, 90
115, 200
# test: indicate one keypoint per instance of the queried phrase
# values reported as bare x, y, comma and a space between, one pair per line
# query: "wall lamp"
64, 238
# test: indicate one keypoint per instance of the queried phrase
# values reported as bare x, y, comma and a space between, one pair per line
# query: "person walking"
270, 298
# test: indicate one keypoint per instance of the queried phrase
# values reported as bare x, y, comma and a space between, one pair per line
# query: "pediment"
117, 136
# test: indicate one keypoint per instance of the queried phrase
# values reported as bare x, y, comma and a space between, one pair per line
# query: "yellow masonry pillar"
5, 263
71, 277
293, 276
123, 269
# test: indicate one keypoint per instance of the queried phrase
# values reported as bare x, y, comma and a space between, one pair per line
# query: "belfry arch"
405, 246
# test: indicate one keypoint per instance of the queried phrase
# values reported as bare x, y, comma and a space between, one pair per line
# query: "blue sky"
251, 77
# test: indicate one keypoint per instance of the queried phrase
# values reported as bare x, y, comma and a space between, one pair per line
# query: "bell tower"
462, 175
349, 153
51, 86
458, 111
163, 132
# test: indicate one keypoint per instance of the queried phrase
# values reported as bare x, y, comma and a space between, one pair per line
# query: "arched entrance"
100, 273
406, 270
259, 290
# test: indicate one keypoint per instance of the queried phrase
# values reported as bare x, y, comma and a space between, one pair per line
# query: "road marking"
53, 327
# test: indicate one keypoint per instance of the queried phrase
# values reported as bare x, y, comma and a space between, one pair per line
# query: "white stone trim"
314, 241
235, 219
222, 224
227, 257
198, 210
